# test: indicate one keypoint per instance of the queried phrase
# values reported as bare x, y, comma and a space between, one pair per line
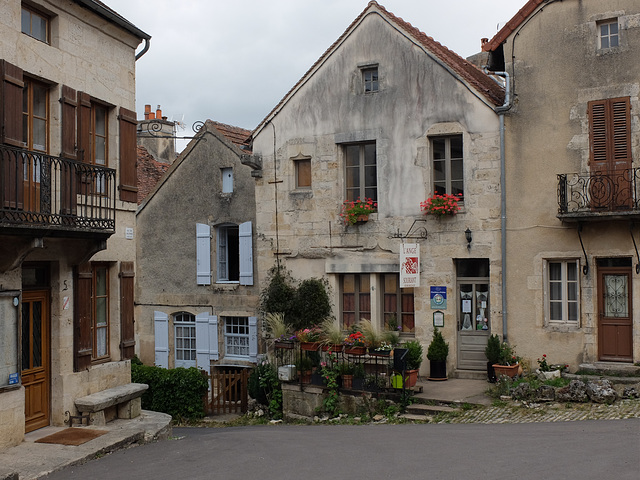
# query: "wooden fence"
228, 391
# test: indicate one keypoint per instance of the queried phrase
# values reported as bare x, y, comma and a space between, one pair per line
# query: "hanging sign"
438, 298
409, 265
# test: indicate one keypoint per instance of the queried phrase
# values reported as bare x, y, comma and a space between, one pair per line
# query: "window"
562, 291
228, 254
98, 134
303, 172
185, 339
100, 309
234, 254
236, 336
448, 174
608, 34
361, 172
35, 24
610, 134
472, 277
356, 299
398, 305
370, 79
35, 115
227, 180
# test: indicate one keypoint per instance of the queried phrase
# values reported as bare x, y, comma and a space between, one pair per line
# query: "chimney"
158, 113
147, 111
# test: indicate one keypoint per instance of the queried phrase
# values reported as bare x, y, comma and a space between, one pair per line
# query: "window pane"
573, 312
370, 154
101, 311
101, 281
457, 172
613, 29
353, 177
456, 146
456, 189
439, 171
613, 40
39, 134
303, 173
101, 124
555, 311
39, 27
555, 291
438, 148
352, 155
555, 271
26, 22
101, 338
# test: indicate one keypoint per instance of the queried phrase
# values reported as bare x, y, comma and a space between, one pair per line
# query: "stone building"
67, 211
196, 291
572, 179
387, 113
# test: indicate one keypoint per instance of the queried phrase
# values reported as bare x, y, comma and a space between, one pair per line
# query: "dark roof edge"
102, 10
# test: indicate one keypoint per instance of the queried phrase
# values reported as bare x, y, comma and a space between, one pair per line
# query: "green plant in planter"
331, 332
358, 370
438, 349
414, 354
492, 350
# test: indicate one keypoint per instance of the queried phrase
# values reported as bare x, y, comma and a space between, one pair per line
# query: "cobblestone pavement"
523, 412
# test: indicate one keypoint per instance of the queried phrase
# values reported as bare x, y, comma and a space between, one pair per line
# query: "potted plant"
346, 374
372, 336
309, 338
441, 205
437, 354
278, 330
508, 362
414, 360
492, 352
332, 336
358, 211
304, 366
358, 376
354, 343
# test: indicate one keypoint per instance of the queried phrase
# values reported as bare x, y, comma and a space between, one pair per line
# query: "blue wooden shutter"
161, 324
203, 253
206, 340
253, 339
246, 254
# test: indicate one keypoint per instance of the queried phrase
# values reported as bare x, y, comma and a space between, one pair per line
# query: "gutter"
501, 110
105, 12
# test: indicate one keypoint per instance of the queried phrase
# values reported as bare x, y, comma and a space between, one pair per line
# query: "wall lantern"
467, 234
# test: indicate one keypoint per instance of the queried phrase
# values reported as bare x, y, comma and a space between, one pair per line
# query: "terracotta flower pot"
509, 370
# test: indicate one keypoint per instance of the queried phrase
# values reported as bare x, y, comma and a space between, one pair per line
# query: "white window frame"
370, 79
237, 338
245, 253
564, 282
608, 37
182, 321
363, 190
447, 161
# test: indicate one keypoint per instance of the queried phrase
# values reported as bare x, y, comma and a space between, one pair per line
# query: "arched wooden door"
36, 368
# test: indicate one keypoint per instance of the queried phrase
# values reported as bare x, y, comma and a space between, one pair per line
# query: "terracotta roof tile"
511, 25
466, 70
236, 135
149, 172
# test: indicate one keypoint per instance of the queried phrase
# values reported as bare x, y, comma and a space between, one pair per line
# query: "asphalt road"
563, 450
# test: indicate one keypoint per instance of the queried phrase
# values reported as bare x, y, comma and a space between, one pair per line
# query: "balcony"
599, 196
45, 195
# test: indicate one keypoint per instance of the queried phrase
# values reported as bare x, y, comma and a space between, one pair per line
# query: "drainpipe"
501, 110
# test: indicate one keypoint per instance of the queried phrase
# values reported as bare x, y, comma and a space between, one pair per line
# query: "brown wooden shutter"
69, 106
82, 341
610, 134
127, 320
11, 184
11, 104
84, 127
128, 154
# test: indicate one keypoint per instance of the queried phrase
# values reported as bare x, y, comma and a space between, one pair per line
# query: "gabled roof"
512, 24
465, 70
236, 135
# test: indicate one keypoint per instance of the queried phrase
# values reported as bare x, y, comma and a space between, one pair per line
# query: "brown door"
614, 314
35, 358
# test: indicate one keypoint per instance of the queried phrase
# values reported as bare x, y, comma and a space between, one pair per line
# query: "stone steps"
424, 409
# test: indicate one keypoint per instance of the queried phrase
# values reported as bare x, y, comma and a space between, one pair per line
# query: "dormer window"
608, 33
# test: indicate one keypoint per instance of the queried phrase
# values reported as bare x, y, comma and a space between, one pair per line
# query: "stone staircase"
422, 411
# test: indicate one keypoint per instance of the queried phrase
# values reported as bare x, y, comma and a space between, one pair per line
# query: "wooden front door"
35, 358
614, 314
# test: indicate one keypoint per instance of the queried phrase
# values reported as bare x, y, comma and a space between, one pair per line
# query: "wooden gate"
228, 390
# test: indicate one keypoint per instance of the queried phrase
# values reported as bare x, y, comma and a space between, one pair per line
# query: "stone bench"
123, 401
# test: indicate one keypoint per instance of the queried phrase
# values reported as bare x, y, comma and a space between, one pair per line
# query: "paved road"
563, 450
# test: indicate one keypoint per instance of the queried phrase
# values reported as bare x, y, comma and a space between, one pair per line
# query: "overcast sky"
233, 60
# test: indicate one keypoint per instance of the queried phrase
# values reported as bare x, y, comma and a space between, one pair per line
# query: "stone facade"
92, 53
190, 194
554, 76
422, 96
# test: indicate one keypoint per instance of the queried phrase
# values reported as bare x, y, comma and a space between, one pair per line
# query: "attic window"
370, 79
608, 33
35, 24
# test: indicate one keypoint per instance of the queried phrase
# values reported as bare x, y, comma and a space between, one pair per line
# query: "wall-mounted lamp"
467, 235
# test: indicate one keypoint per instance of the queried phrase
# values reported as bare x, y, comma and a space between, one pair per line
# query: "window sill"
301, 192
562, 327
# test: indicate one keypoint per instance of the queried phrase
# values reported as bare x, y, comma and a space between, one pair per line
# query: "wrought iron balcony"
61, 196
599, 196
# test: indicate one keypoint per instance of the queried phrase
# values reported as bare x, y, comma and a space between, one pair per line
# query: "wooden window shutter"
11, 104
610, 134
68, 198
246, 253
69, 105
128, 155
161, 336
82, 342
206, 340
203, 254
127, 321
84, 127
253, 339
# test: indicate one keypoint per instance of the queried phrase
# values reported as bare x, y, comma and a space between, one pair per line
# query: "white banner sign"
410, 265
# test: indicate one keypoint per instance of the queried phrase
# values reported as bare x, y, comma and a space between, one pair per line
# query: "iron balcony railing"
54, 193
595, 194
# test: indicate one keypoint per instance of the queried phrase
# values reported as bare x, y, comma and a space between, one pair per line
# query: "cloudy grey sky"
232, 61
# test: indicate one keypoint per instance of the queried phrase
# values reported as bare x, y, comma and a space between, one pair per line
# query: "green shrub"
438, 348
492, 350
265, 388
311, 305
279, 294
414, 354
178, 392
